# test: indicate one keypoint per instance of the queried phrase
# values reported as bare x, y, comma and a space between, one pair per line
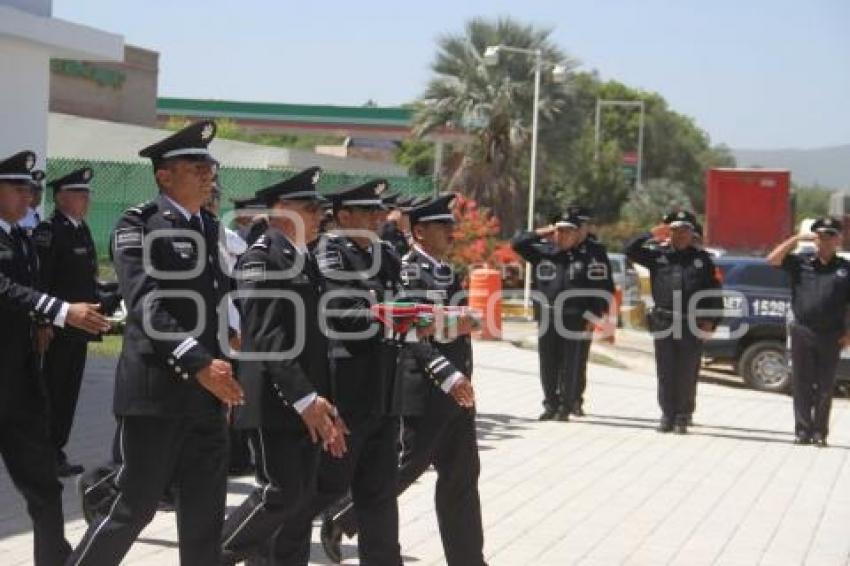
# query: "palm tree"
494, 104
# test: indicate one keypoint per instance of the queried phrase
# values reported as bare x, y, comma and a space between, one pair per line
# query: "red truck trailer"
747, 210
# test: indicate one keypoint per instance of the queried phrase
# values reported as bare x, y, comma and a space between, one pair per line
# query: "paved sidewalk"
602, 490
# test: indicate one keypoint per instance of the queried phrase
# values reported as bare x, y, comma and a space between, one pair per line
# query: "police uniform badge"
30, 162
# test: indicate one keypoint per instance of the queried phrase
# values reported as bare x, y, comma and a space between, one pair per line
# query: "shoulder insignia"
143, 210
262, 243
126, 238
329, 260
254, 271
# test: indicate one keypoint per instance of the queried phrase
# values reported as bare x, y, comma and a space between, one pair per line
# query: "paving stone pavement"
602, 490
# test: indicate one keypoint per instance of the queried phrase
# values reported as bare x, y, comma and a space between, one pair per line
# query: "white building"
29, 38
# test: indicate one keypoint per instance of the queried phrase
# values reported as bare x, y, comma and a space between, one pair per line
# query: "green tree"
417, 155
494, 104
810, 202
648, 205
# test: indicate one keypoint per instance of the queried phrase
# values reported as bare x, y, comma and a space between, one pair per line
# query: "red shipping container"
747, 210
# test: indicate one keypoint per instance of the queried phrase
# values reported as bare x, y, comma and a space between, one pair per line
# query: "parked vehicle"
757, 299
625, 277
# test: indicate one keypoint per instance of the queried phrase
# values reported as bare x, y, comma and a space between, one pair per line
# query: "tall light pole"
559, 72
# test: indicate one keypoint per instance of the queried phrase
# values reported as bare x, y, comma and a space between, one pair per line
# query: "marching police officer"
439, 428
68, 270
559, 269
600, 277
288, 393
820, 292
360, 271
679, 273
171, 381
25, 444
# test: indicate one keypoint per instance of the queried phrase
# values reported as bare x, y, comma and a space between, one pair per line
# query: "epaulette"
261, 243
143, 210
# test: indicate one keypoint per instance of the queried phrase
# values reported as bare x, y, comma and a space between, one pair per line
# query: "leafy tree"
648, 205
495, 105
810, 202
416, 155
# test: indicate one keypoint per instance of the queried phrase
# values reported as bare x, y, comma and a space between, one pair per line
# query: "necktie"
195, 223
18, 240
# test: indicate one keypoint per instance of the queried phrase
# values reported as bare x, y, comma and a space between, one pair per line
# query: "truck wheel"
764, 366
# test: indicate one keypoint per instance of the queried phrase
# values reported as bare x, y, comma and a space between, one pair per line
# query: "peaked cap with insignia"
301, 186
367, 195
681, 219
18, 168
827, 225
436, 210
189, 143
77, 180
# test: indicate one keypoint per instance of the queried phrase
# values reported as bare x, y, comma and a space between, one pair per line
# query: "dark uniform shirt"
156, 372
599, 273
276, 325
391, 233
672, 271
819, 291
431, 282
19, 387
555, 271
359, 277
68, 265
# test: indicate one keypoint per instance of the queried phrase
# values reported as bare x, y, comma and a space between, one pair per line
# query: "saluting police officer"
68, 270
820, 292
288, 393
171, 380
559, 268
439, 428
396, 227
601, 277
25, 445
679, 274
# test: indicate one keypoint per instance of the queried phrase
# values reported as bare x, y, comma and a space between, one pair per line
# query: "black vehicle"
753, 334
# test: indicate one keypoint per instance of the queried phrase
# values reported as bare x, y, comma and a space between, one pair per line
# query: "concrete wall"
131, 102
23, 104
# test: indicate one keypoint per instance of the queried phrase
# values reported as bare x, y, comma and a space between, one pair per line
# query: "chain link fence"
117, 186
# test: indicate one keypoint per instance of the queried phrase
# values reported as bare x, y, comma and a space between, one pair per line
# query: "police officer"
601, 277
678, 272
171, 381
439, 428
25, 445
287, 394
559, 267
820, 291
360, 270
68, 270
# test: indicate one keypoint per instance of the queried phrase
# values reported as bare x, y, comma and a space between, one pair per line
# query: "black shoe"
682, 427
819, 440
802, 439
331, 537
562, 415
690, 420
97, 492
665, 426
68, 470
546, 415
578, 410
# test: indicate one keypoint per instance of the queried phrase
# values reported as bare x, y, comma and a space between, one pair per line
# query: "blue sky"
753, 73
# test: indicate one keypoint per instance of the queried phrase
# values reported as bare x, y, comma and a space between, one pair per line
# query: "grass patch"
110, 347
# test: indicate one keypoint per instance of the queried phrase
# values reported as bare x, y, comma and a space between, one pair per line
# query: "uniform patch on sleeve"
128, 238
43, 238
329, 260
597, 271
254, 271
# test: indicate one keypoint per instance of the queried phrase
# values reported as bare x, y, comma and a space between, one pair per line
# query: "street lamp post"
559, 72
